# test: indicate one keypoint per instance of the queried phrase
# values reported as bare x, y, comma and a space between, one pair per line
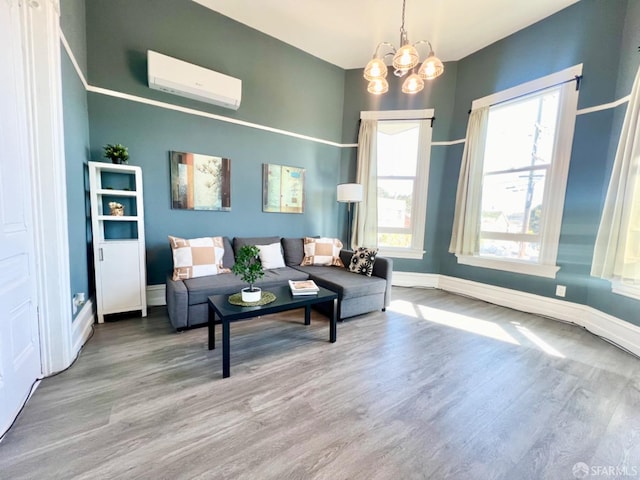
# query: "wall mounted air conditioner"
187, 80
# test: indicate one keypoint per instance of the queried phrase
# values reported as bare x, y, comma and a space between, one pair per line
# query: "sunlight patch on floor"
455, 320
544, 346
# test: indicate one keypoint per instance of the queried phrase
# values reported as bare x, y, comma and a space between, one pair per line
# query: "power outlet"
561, 290
77, 301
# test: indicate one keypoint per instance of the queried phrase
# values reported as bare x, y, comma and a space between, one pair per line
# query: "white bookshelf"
118, 241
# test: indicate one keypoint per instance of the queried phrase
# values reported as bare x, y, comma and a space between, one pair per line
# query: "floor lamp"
349, 193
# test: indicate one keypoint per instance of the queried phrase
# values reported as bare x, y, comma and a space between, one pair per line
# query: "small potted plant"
116, 153
249, 268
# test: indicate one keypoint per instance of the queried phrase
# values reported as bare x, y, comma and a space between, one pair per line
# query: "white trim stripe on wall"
257, 126
451, 142
604, 106
200, 113
190, 111
63, 39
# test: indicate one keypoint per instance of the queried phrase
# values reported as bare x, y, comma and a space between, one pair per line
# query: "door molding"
40, 24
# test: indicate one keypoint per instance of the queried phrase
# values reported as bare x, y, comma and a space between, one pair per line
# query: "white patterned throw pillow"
322, 251
197, 257
362, 261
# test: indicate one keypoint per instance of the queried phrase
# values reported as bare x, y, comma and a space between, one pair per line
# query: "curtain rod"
577, 79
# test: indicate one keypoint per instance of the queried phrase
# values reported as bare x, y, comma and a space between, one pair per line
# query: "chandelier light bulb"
378, 86
375, 69
431, 68
413, 84
406, 58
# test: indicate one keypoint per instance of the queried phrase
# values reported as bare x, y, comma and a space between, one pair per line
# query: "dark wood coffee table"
220, 307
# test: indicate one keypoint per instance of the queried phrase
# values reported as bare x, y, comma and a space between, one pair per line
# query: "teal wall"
600, 34
438, 94
288, 89
76, 144
588, 32
283, 88
73, 25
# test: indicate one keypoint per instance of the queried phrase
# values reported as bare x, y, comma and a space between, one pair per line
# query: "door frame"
40, 30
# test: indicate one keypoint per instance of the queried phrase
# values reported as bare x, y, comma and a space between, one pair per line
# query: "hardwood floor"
440, 386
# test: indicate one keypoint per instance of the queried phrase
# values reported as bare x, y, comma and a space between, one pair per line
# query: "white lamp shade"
349, 192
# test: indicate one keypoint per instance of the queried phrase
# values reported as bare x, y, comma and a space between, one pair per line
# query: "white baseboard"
619, 332
81, 328
412, 279
156, 295
506, 297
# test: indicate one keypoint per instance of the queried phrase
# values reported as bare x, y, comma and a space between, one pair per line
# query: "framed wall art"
282, 188
200, 182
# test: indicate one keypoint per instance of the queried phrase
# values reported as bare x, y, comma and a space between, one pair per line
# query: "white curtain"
365, 224
466, 220
617, 250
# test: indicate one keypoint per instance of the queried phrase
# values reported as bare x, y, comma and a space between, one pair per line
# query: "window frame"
557, 174
421, 182
621, 288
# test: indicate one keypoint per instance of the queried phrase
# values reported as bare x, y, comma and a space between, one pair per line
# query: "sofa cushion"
280, 276
344, 282
239, 242
293, 250
228, 260
322, 251
196, 257
202, 288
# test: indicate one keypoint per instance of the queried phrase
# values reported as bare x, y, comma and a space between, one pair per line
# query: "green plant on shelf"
117, 153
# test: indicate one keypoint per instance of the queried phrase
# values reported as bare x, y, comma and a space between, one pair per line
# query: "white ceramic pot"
251, 295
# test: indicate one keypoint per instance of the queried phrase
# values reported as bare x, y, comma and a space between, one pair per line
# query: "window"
517, 160
403, 143
523, 173
616, 255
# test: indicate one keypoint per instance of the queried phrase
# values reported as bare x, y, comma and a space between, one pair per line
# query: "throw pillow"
322, 251
271, 256
197, 257
362, 261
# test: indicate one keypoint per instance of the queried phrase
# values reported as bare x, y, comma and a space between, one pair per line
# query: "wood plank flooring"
438, 387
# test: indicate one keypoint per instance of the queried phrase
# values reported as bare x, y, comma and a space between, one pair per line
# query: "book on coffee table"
303, 287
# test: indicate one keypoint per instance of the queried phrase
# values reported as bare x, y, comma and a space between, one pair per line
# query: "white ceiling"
345, 32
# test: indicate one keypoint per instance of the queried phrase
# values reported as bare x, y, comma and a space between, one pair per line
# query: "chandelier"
405, 60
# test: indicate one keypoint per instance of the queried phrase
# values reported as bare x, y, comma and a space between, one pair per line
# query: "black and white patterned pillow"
362, 261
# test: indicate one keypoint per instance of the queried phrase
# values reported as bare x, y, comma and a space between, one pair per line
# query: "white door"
19, 335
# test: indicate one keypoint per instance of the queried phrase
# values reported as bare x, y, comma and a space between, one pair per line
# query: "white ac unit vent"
175, 76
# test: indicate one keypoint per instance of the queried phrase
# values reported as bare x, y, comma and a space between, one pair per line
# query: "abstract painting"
200, 182
282, 189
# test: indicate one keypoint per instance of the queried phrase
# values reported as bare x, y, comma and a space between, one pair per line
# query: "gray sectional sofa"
357, 294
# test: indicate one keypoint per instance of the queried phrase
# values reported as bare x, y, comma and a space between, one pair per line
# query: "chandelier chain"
404, 4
